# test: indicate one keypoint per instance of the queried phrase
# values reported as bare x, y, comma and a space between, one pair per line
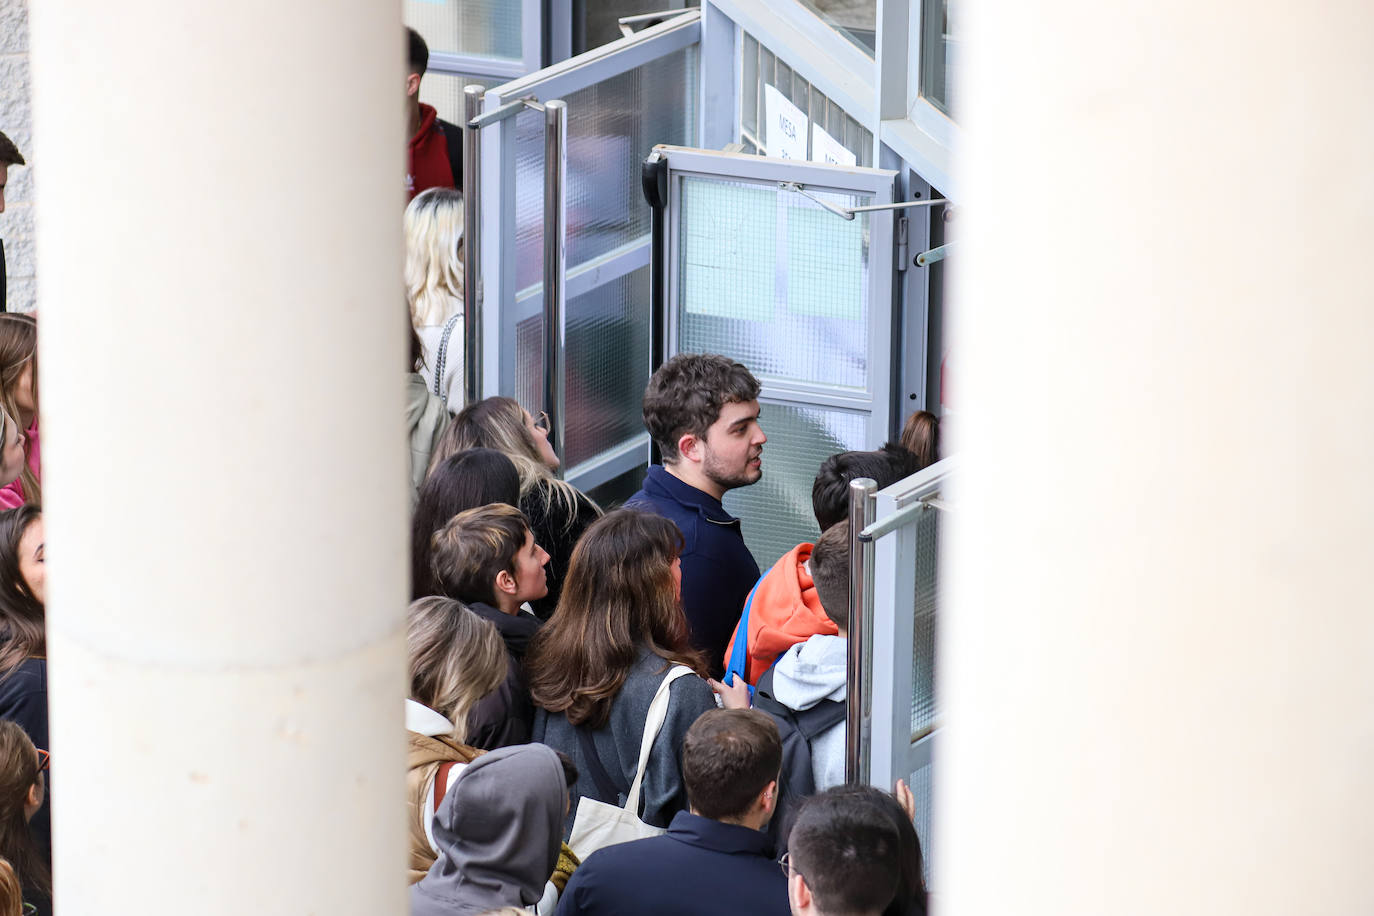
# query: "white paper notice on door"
825, 148
785, 134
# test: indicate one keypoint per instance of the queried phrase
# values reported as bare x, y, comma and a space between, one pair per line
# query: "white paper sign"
785, 126
825, 148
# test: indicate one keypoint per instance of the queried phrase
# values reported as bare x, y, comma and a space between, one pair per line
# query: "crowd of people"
610, 710
613, 710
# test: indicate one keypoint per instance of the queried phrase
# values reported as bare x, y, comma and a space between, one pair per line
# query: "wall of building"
16, 121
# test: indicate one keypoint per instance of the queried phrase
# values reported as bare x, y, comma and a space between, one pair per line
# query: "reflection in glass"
856, 20
939, 52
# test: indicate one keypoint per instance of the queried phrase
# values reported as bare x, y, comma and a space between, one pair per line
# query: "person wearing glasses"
714, 856
23, 640
21, 796
557, 511
843, 857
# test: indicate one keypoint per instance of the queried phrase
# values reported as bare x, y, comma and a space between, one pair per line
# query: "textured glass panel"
612, 126
776, 512
923, 709
489, 28
529, 362
529, 198
774, 281
922, 787
608, 365
445, 92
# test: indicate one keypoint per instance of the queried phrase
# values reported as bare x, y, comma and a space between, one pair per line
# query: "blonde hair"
456, 658
434, 269
11, 894
499, 423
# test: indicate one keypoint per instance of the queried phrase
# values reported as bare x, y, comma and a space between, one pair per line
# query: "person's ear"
412, 84
690, 447
798, 893
35, 797
505, 582
768, 800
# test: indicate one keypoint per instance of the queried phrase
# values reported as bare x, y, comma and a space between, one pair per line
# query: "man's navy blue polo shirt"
717, 568
700, 867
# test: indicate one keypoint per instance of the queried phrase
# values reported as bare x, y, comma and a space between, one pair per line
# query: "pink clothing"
12, 496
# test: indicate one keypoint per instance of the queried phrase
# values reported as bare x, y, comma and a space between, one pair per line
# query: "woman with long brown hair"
21, 795
594, 667
19, 399
23, 640
557, 511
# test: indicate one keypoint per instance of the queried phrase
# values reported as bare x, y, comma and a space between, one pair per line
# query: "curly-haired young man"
702, 410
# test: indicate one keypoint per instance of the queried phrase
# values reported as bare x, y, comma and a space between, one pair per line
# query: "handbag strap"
441, 359
653, 722
605, 787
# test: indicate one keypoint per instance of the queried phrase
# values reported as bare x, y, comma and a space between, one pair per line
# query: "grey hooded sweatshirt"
499, 829
807, 673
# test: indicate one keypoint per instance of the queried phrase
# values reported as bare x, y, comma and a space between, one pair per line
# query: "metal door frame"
880, 185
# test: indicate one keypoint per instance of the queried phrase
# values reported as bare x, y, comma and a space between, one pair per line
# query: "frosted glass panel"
776, 512
445, 92
774, 281
608, 365
487, 28
923, 709
612, 126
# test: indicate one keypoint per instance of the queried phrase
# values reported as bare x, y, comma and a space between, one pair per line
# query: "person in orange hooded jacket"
782, 609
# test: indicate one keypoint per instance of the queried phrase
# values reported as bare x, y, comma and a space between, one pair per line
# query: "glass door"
622, 99
769, 264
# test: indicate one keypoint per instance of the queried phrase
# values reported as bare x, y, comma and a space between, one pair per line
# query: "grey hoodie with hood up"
807, 673
499, 830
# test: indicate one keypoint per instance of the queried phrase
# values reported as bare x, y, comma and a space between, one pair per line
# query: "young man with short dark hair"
843, 859
487, 558
702, 411
783, 609
714, 856
434, 157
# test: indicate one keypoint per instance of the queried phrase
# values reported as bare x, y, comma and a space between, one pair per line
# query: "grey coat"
617, 744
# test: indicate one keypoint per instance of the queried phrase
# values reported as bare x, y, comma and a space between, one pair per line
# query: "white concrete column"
1157, 654
224, 456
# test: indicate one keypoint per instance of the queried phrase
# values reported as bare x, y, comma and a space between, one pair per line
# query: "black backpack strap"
808, 722
605, 787
453, 135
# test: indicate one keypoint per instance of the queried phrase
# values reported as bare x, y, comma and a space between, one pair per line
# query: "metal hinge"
903, 226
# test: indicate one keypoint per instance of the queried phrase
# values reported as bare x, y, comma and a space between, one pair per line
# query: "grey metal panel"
448, 62
720, 79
